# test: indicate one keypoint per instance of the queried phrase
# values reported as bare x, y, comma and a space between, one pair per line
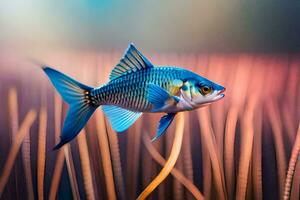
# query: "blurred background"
243, 147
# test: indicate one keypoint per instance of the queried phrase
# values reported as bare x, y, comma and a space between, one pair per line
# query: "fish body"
136, 86
131, 90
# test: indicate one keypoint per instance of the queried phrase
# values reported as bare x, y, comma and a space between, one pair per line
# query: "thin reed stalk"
274, 117
176, 173
178, 190
246, 151
59, 163
231, 122
71, 172
105, 156
60, 158
67, 152
41, 152
292, 165
210, 143
187, 152
116, 161
207, 172
23, 131
257, 156
295, 192
14, 124
85, 165
13, 112
26, 158
171, 160
133, 153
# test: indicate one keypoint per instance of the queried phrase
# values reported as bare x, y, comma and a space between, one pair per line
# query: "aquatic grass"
175, 172
13, 113
207, 170
187, 152
256, 165
171, 160
105, 156
41, 152
58, 167
231, 123
116, 162
26, 160
210, 143
291, 168
59, 163
295, 192
85, 165
246, 152
21, 134
276, 125
71, 171
133, 152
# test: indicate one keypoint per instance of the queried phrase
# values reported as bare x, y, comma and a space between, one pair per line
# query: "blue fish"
136, 86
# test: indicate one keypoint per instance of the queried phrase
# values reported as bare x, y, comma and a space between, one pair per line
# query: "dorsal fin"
132, 61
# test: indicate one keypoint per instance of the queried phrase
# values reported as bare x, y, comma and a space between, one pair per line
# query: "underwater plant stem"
257, 155
13, 111
23, 131
85, 166
171, 160
276, 125
246, 153
292, 166
59, 163
210, 143
116, 163
105, 155
41, 152
71, 171
176, 173
230, 129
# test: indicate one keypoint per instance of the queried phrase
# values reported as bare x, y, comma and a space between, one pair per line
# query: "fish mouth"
220, 95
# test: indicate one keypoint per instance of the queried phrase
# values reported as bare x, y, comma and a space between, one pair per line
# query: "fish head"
200, 92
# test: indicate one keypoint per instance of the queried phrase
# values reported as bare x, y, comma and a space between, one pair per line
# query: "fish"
135, 86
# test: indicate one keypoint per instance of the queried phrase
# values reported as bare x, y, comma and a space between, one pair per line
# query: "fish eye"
205, 89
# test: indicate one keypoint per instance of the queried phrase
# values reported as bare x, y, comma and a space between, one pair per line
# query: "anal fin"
120, 119
164, 123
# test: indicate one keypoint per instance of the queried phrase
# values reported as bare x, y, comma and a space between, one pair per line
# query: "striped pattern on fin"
120, 118
163, 125
132, 61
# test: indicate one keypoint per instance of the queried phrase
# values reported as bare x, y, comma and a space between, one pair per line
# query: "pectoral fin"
164, 123
159, 97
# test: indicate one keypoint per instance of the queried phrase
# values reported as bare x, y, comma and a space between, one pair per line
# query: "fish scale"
130, 90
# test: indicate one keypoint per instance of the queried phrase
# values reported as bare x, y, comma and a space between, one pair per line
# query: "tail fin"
77, 96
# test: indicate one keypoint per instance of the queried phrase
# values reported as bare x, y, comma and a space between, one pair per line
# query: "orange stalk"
105, 156
210, 142
85, 166
257, 156
171, 160
246, 151
116, 161
23, 131
276, 125
175, 172
292, 166
41, 152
